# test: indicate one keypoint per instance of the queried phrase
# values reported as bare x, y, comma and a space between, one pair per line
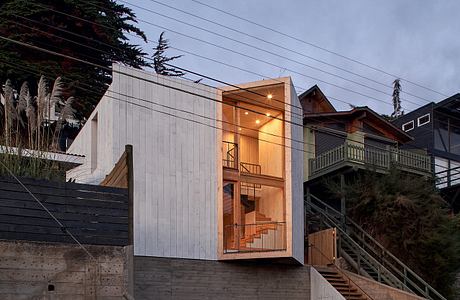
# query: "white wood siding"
175, 163
294, 169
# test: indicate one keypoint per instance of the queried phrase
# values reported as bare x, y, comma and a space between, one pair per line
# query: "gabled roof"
313, 100
365, 113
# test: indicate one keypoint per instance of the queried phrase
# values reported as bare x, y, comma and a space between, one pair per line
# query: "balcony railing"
370, 157
230, 154
262, 236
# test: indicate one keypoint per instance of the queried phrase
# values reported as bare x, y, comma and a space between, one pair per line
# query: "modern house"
217, 172
435, 128
217, 188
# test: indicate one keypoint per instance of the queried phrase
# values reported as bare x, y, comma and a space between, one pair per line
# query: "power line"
212, 99
270, 52
318, 47
62, 226
229, 50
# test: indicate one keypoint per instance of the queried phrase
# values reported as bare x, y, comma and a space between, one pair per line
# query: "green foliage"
409, 217
60, 26
160, 60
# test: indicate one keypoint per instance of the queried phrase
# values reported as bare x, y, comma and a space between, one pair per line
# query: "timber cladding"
94, 214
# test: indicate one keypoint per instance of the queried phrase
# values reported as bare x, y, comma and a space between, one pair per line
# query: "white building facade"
192, 197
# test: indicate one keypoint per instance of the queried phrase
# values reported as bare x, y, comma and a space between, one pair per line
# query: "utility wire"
226, 49
318, 47
265, 50
202, 96
62, 226
276, 45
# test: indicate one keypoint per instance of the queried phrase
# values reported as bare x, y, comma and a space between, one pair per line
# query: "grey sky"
417, 40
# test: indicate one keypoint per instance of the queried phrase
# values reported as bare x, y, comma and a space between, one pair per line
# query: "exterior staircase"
363, 253
342, 284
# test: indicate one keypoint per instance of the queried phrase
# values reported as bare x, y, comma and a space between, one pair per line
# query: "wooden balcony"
364, 157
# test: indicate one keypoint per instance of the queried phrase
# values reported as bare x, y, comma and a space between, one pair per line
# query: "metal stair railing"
410, 280
343, 274
364, 259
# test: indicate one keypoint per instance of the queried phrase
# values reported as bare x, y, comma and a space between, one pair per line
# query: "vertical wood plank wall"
175, 164
294, 167
322, 248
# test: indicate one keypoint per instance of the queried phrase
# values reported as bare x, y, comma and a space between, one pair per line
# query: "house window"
425, 119
408, 126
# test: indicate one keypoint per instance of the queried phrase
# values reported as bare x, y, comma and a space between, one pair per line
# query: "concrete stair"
348, 290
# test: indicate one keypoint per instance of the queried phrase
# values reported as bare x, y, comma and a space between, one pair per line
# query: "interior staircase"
262, 228
343, 285
363, 253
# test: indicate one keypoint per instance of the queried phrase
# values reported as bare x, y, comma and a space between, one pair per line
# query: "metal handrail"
248, 167
232, 159
341, 272
425, 290
279, 237
374, 264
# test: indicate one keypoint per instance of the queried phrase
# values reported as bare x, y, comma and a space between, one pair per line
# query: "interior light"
268, 114
269, 96
246, 113
239, 129
257, 121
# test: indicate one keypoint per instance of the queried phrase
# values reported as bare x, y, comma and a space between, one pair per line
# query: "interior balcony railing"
230, 154
369, 157
257, 237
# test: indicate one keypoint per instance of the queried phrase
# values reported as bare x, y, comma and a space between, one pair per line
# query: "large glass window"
256, 219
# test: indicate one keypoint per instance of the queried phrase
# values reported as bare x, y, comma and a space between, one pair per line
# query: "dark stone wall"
169, 278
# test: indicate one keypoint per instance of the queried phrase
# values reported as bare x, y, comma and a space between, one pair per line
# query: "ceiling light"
246, 113
269, 96
239, 129
268, 114
257, 121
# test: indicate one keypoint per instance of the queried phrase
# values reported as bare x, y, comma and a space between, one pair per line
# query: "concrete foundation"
166, 278
33, 270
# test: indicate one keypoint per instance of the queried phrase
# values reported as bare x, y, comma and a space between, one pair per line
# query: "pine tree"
91, 30
397, 112
160, 60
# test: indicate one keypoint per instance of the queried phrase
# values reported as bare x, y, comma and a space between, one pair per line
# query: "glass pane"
228, 210
455, 137
441, 139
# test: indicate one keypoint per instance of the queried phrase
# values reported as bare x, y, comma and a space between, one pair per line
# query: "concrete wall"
380, 291
321, 288
162, 278
29, 269
175, 159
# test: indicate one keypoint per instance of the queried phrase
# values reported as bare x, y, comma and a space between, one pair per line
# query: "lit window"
408, 126
425, 119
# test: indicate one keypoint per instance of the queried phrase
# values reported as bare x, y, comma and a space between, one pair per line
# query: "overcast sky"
415, 40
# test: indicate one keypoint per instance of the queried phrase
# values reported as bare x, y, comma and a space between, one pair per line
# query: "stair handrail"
356, 245
406, 270
373, 263
340, 271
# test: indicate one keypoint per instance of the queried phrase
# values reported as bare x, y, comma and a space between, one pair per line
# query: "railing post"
345, 151
342, 201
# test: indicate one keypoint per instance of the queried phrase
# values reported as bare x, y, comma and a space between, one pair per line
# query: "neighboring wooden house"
435, 127
337, 143
217, 172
